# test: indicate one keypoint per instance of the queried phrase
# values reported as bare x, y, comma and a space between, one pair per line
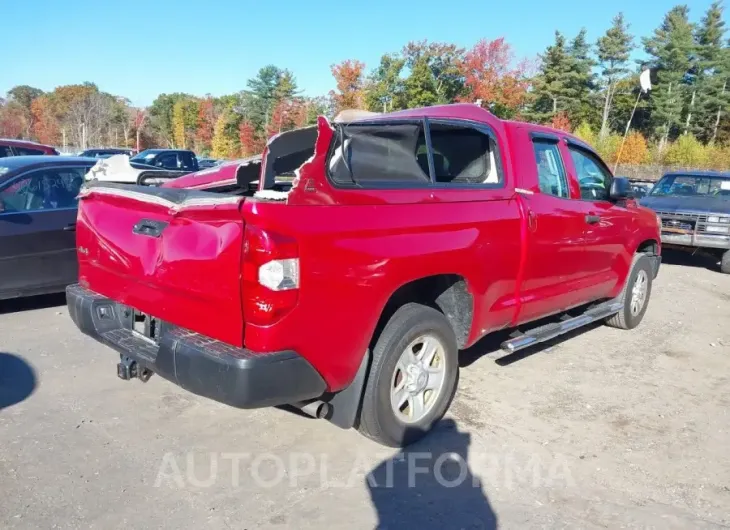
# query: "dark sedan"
38, 204
694, 208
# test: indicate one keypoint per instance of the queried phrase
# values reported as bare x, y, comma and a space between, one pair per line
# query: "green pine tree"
554, 88
671, 49
614, 49
420, 87
582, 81
712, 69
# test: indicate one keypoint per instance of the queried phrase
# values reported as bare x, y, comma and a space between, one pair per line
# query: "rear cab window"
416, 153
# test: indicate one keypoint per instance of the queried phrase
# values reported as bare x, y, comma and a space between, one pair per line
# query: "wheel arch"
447, 293
648, 246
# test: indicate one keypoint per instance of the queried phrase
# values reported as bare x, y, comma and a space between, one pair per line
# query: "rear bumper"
207, 367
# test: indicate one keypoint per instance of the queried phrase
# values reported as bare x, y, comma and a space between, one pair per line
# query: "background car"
694, 208
205, 163
38, 206
24, 147
106, 152
174, 159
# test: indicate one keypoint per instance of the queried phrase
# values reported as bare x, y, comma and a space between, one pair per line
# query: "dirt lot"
607, 429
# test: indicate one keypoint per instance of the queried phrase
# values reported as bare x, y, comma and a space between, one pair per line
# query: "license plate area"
145, 326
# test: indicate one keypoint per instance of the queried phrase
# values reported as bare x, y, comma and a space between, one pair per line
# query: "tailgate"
172, 253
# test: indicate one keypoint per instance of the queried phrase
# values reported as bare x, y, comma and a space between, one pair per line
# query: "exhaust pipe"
316, 409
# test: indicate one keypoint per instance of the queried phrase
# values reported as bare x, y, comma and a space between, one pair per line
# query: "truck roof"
463, 111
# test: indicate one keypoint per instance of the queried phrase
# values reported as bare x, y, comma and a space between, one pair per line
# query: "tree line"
586, 87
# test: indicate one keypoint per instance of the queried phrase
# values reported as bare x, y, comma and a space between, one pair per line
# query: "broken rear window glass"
378, 153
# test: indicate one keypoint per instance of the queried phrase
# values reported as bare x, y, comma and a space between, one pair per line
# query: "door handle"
70, 228
149, 227
593, 219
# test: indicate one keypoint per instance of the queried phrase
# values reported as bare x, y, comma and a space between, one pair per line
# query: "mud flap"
345, 405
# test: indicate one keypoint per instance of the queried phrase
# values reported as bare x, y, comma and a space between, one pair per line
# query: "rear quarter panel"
354, 257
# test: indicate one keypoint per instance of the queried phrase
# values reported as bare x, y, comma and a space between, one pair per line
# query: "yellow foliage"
178, 124
687, 151
608, 148
718, 157
635, 150
224, 143
585, 133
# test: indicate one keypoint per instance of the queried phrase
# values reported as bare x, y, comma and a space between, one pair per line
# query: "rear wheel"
412, 378
635, 295
725, 262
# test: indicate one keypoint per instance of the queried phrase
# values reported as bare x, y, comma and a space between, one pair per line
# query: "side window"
167, 161
462, 155
26, 151
377, 154
187, 161
550, 169
43, 190
594, 179
5, 151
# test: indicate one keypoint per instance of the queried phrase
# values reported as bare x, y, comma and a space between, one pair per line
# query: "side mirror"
620, 189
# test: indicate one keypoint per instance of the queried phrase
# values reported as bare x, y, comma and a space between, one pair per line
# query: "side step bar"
550, 331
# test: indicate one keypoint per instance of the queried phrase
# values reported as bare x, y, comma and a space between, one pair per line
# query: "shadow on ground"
429, 485
490, 345
16, 305
688, 258
17, 380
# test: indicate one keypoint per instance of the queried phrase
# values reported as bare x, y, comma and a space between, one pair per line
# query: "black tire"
377, 420
626, 319
725, 262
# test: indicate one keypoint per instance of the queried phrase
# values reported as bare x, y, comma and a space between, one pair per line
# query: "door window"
5, 151
26, 151
188, 163
167, 161
593, 177
46, 189
550, 169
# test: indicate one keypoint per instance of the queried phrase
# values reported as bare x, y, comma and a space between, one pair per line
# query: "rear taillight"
270, 276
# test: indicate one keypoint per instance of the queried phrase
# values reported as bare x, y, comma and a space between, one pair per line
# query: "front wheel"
635, 295
413, 377
725, 262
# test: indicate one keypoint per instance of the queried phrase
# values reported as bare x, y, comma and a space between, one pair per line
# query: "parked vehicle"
204, 163
640, 188
106, 152
23, 148
695, 211
37, 223
150, 167
349, 290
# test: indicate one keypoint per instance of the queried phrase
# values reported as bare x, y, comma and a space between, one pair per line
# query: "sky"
139, 49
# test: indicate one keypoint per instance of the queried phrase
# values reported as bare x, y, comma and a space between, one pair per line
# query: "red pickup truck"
343, 271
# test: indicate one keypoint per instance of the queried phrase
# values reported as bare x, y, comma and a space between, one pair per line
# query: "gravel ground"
604, 429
